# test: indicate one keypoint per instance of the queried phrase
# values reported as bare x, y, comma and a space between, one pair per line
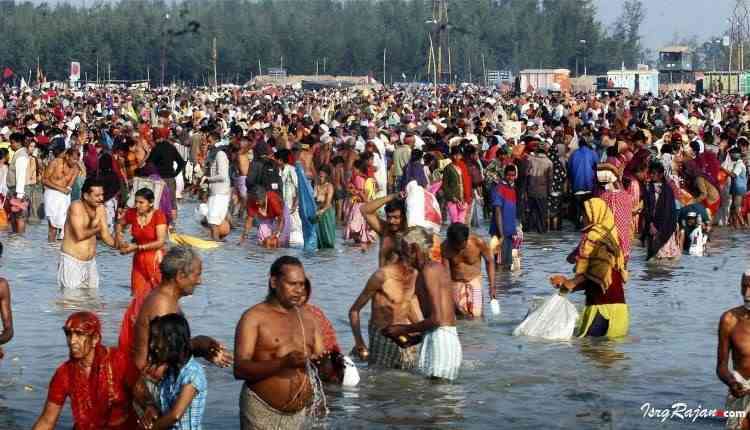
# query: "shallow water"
505, 381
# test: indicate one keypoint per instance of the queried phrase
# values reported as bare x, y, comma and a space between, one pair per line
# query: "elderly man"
97, 379
391, 290
463, 253
87, 220
274, 344
440, 354
734, 341
181, 270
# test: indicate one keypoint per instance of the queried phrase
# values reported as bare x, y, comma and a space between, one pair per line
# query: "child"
182, 381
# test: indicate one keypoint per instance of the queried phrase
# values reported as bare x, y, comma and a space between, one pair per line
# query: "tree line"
133, 39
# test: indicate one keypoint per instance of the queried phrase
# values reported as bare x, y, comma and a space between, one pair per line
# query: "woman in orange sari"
149, 229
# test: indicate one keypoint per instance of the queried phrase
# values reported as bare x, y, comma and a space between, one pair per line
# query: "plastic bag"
422, 208
697, 242
555, 319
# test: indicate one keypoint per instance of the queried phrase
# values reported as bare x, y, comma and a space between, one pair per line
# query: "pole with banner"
75, 72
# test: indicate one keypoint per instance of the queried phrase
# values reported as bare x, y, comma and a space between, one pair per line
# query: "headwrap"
84, 322
599, 252
93, 396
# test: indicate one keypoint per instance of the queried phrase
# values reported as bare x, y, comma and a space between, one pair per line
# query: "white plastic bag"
555, 319
697, 242
422, 208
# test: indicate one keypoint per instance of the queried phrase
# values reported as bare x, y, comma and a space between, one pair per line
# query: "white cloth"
440, 354
56, 206
110, 206
73, 273
218, 206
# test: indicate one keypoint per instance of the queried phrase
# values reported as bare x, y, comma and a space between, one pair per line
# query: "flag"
7, 73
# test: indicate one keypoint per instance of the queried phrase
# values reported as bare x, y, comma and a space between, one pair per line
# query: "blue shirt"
169, 389
582, 169
504, 198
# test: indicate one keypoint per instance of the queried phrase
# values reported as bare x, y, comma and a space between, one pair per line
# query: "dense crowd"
296, 165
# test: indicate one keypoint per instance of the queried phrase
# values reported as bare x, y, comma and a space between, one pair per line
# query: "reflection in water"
601, 352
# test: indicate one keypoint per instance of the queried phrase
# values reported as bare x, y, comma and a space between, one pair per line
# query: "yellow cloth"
371, 188
617, 314
196, 242
600, 252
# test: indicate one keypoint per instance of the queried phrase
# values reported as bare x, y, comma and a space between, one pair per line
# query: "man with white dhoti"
86, 220
58, 181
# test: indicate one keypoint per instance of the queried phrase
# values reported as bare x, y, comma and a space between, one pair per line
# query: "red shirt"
274, 207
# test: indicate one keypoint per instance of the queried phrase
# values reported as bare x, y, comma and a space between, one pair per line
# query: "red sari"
145, 275
330, 344
99, 400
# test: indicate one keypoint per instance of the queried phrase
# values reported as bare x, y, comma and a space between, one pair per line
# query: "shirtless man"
734, 340
58, 180
463, 252
86, 220
181, 270
273, 343
6, 314
305, 156
242, 164
393, 226
391, 290
440, 354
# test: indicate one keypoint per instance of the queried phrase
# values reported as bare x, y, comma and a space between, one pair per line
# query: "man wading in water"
274, 343
391, 290
86, 220
734, 339
464, 253
440, 354
393, 226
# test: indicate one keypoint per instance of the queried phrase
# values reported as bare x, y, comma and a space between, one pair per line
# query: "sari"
308, 209
145, 275
602, 263
101, 399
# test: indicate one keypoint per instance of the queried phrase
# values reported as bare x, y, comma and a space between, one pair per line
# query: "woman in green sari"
326, 213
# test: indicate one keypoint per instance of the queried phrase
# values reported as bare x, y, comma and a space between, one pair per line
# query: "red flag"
7, 73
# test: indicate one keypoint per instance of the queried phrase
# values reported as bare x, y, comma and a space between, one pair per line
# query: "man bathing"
440, 354
87, 220
391, 290
734, 340
391, 228
58, 181
464, 253
274, 341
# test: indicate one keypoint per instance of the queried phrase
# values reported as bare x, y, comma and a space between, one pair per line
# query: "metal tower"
439, 56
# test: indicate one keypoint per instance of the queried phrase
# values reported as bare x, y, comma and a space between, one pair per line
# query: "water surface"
505, 381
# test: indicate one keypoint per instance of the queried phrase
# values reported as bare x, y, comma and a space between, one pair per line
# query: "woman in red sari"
149, 229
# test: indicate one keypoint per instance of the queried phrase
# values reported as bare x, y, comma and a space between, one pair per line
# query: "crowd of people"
298, 166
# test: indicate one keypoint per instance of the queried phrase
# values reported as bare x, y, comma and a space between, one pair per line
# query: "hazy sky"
665, 18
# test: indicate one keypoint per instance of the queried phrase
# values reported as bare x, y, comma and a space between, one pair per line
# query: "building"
676, 65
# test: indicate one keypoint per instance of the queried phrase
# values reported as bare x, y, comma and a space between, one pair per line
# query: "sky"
667, 18
664, 18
